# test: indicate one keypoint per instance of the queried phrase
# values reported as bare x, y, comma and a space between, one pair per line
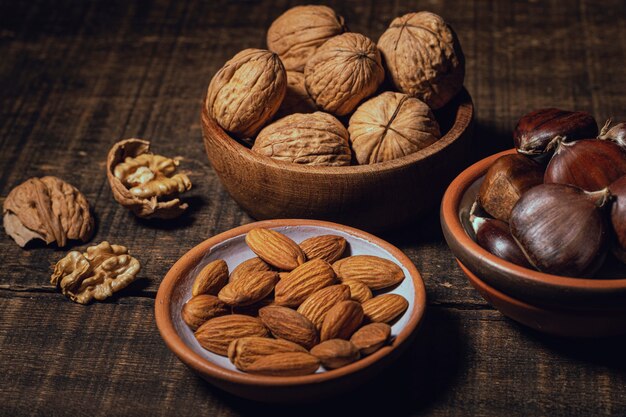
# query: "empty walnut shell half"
390, 126
49, 209
96, 274
343, 71
309, 139
144, 182
423, 57
297, 33
246, 92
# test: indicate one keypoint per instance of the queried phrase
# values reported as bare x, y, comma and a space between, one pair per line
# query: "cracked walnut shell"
246, 92
390, 126
49, 209
423, 57
96, 274
297, 33
144, 182
309, 139
343, 71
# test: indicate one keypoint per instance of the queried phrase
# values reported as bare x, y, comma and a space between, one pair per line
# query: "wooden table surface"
76, 76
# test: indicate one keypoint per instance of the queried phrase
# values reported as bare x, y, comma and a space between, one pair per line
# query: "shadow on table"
420, 377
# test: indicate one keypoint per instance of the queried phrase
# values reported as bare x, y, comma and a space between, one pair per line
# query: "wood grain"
77, 76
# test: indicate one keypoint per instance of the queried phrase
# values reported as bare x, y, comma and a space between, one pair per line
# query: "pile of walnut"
288, 98
294, 306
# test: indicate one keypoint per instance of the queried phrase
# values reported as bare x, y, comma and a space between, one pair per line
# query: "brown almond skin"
249, 288
216, 334
288, 324
358, 291
335, 353
285, 364
327, 247
275, 248
255, 264
342, 320
201, 308
377, 273
245, 351
303, 281
371, 337
317, 304
385, 308
211, 278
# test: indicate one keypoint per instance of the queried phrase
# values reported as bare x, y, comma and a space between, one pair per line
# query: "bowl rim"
450, 216
189, 260
463, 117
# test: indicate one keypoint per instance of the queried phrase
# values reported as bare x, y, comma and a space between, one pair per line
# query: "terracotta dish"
373, 197
175, 290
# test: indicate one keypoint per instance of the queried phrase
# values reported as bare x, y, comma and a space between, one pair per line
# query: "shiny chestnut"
616, 133
494, 236
618, 218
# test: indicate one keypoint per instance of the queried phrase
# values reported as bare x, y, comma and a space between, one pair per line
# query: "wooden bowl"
373, 197
175, 290
555, 321
523, 284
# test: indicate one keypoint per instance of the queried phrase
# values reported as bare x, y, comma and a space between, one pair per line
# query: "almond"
371, 337
375, 272
317, 304
275, 248
303, 281
245, 351
335, 353
288, 324
201, 308
285, 364
211, 278
249, 288
342, 320
283, 275
216, 334
358, 291
255, 264
326, 247
384, 308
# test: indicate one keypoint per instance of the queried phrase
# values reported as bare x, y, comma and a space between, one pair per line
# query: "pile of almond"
295, 307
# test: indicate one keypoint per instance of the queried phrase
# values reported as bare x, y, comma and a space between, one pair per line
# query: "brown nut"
342, 320
49, 209
255, 264
375, 272
371, 337
390, 126
335, 353
201, 308
326, 247
385, 308
309, 139
288, 324
344, 70
245, 351
211, 278
250, 289
423, 57
216, 334
246, 92
297, 99
146, 183
296, 34
96, 274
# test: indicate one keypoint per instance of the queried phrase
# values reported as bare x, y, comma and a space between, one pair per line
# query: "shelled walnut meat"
296, 34
423, 58
247, 91
309, 139
146, 183
304, 316
49, 209
95, 274
390, 126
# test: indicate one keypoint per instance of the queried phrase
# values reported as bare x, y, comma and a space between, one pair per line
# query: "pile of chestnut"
559, 204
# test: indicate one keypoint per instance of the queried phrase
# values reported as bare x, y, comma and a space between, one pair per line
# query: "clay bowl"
540, 289
372, 197
175, 290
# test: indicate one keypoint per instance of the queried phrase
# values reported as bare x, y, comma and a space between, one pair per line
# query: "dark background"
76, 76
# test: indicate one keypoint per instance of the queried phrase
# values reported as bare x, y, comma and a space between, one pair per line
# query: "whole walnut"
247, 91
309, 139
297, 99
423, 57
49, 209
343, 71
390, 126
297, 33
